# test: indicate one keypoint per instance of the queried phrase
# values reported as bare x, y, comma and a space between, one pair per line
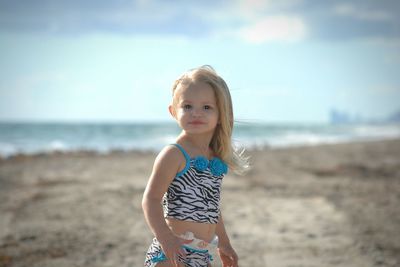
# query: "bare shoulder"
170, 155
166, 166
170, 160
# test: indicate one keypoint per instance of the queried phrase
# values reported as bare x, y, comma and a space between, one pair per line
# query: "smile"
196, 122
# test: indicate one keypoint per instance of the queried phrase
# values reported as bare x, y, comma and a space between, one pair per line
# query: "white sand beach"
326, 205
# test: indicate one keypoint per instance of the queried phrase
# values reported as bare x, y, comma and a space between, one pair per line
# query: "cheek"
181, 113
217, 116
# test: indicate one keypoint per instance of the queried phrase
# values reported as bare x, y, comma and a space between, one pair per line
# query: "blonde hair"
221, 142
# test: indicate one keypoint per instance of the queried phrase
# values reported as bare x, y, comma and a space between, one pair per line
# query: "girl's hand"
172, 247
228, 256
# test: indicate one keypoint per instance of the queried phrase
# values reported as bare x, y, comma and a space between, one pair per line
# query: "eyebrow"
190, 102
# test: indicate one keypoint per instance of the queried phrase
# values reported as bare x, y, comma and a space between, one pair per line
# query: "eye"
207, 107
187, 107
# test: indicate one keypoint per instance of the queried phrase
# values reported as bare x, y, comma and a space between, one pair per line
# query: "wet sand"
328, 205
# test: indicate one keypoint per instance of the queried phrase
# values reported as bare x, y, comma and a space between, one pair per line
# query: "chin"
199, 131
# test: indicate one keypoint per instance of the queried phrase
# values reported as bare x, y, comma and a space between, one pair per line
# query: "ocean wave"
29, 139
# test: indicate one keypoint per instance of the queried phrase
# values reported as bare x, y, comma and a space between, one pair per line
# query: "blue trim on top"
187, 157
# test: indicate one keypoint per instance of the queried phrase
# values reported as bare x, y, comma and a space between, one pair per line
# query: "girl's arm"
166, 166
226, 252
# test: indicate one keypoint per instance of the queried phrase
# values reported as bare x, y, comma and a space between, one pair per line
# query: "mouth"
196, 122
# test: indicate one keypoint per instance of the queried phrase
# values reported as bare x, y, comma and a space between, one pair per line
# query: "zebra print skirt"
194, 257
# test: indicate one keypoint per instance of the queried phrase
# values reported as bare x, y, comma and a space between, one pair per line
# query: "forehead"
198, 91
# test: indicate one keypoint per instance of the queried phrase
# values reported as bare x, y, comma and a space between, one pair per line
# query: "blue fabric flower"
218, 167
201, 163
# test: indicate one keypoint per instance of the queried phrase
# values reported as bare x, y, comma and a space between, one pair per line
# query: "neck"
201, 141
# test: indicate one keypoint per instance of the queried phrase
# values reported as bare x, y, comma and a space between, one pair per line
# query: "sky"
115, 61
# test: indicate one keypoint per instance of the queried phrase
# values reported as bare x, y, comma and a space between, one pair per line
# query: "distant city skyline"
284, 61
341, 116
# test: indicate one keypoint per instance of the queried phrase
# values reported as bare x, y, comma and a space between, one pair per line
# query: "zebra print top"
194, 194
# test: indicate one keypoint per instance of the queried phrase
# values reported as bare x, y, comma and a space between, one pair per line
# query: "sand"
327, 205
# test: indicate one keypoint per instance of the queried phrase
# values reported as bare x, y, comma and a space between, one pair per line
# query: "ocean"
34, 138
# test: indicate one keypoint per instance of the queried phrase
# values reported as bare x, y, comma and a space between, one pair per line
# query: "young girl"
181, 202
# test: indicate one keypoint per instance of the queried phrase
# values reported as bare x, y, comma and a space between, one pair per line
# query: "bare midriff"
204, 231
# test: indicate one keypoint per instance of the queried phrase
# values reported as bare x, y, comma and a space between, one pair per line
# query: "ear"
172, 111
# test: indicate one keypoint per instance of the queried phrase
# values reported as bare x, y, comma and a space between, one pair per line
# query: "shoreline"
91, 152
325, 205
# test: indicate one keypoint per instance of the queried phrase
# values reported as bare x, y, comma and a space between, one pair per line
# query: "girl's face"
195, 108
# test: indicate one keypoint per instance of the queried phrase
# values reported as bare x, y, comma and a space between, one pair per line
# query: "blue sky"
284, 61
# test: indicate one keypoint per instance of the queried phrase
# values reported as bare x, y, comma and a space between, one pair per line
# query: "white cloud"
256, 21
274, 28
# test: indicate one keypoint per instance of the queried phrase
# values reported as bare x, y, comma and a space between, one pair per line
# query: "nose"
197, 112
